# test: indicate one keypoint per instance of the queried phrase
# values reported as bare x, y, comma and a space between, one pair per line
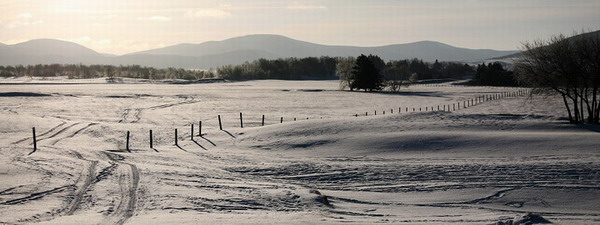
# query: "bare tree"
397, 73
343, 70
569, 67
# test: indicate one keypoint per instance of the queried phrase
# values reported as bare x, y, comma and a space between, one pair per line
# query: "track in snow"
74, 133
37, 195
90, 177
133, 115
42, 134
128, 184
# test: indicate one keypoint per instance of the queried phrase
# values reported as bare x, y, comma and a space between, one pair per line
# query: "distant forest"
309, 68
330, 68
79, 71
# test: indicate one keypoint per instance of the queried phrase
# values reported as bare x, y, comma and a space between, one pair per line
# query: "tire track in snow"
128, 184
127, 113
37, 195
89, 180
74, 133
59, 132
42, 134
137, 112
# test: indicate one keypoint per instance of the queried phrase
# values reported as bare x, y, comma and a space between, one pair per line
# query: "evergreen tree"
436, 70
365, 75
494, 74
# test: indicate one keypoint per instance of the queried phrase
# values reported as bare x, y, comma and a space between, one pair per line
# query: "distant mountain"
191, 62
281, 47
53, 47
45, 51
231, 51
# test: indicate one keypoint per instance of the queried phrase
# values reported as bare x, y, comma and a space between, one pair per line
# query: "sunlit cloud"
299, 6
83, 39
25, 15
156, 18
14, 41
104, 17
217, 13
23, 19
86, 40
96, 44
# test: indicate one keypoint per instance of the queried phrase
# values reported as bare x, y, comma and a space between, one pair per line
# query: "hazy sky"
124, 26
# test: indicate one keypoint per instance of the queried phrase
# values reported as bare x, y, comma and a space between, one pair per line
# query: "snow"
492, 162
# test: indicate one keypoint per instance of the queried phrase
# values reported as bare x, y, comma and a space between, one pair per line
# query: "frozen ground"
492, 162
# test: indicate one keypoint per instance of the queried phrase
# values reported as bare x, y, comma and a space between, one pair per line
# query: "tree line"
80, 71
309, 68
393, 73
371, 73
328, 68
316, 68
494, 74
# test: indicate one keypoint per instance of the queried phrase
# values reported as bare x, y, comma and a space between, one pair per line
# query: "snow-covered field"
489, 163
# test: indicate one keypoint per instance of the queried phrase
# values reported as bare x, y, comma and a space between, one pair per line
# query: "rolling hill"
230, 51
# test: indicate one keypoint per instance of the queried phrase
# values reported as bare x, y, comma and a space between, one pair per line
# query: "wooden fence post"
176, 136
34, 140
200, 128
151, 140
192, 133
220, 125
127, 144
281, 120
263, 120
241, 121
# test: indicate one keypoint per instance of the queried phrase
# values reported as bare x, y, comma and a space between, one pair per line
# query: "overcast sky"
124, 26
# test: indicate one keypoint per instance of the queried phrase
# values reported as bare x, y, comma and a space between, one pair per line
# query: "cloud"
112, 46
103, 17
25, 15
160, 18
14, 41
217, 13
86, 40
156, 18
98, 45
299, 6
109, 16
83, 39
23, 19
